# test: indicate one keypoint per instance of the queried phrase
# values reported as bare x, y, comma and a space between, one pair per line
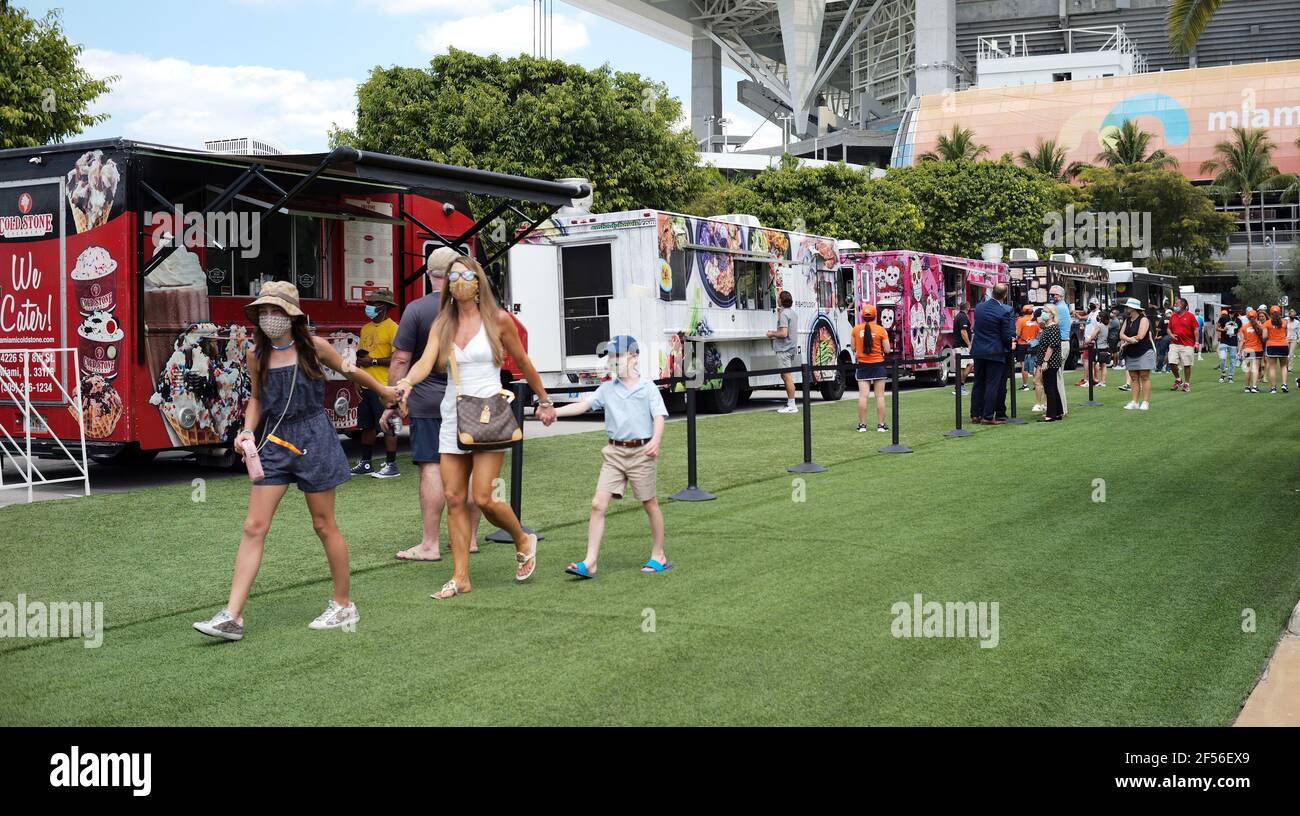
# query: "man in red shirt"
1183, 345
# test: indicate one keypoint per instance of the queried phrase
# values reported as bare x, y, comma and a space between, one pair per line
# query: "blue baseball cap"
618, 344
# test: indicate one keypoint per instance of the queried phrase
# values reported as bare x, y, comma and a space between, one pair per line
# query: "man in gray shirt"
785, 342
424, 405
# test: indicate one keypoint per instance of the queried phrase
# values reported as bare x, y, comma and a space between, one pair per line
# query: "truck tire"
725, 399
833, 390
128, 455
850, 381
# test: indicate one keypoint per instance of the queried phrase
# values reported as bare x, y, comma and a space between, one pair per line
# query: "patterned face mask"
275, 325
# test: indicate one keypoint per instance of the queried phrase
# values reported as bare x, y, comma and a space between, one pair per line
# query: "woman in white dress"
480, 333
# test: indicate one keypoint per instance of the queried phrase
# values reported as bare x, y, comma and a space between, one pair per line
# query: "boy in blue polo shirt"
634, 422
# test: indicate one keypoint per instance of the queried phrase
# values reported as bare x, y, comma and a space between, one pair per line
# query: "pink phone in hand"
253, 461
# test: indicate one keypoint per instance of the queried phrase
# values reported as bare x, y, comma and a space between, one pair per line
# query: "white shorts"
966, 360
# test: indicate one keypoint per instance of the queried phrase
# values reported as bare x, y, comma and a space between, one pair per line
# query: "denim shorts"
424, 440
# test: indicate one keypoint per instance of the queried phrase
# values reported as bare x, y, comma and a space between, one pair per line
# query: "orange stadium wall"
1188, 112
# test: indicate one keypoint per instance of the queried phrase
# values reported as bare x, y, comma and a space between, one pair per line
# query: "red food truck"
142, 257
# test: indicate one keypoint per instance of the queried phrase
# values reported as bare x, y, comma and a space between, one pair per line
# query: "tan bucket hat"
276, 293
440, 260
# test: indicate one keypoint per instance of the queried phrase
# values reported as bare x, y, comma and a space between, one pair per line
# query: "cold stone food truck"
916, 295
688, 288
86, 261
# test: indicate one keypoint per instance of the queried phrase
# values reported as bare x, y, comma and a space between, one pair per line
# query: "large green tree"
1186, 230
44, 93
534, 117
834, 200
967, 204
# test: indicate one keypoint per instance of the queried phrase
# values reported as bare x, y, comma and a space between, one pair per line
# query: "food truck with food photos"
142, 257
690, 289
916, 295
1032, 279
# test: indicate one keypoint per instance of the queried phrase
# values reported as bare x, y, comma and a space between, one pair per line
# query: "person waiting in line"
1252, 348
1182, 345
994, 333
1276, 349
634, 423
1026, 330
1032, 356
785, 343
1293, 338
1065, 318
1139, 353
961, 334
374, 354
1053, 360
1097, 341
1225, 332
1160, 327
870, 345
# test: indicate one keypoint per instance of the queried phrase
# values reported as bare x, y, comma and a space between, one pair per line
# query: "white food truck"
701, 290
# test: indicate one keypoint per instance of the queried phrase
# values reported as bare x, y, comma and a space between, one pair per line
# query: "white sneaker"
336, 616
222, 625
1145, 406
788, 409
1131, 405
1038, 409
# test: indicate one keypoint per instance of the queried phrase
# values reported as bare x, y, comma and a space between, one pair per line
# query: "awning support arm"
228, 195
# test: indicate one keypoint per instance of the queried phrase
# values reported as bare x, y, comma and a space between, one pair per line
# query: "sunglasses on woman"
455, 275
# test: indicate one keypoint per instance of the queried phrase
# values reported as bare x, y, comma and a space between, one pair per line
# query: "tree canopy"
44, 93
534, 117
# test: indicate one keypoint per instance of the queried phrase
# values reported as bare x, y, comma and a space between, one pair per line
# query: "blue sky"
284, 70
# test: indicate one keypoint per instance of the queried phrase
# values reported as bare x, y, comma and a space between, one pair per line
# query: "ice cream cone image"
101, 407
79, 219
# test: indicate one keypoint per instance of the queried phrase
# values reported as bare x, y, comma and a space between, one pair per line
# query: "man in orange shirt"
870, 345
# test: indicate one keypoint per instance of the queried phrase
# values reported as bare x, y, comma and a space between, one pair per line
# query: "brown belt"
628, 443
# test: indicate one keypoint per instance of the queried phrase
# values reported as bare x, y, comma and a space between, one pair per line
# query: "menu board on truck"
367, 253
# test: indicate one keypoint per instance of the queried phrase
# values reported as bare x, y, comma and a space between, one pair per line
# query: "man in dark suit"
995, 330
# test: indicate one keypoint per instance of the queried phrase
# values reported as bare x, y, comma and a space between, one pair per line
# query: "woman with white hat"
1139, 353
298, 445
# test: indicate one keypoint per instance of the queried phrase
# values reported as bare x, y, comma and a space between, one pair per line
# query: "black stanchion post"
691, 492
1091, 350
516, 470
1011, 390
896, 447
958, 431
807, 465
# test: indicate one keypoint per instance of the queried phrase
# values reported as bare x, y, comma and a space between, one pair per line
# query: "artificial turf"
1127, 611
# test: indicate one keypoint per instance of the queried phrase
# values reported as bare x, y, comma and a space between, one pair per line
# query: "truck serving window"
754, 285
289, 248
588, 284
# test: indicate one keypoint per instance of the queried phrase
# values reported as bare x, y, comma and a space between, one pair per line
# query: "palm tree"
1048, 158
1290, 183
1128, 145
957, 145
1186, 22
1242, 165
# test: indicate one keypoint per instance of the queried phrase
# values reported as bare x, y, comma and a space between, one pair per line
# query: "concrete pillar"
936, 46
706, 87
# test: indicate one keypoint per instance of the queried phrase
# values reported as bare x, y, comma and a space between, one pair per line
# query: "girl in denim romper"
285, 420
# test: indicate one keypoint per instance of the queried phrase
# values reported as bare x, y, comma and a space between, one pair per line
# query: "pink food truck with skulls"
916, 295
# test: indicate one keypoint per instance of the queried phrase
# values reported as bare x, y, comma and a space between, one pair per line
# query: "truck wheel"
128, 455
725, 399
850, 381
833, 390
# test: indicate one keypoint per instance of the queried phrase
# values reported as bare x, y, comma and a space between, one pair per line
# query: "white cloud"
507, 32
172, 101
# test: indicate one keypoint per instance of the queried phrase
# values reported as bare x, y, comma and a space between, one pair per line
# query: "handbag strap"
287, 403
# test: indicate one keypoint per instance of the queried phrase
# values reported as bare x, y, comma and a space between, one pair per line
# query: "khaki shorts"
1182, 355
788, 358
624, 465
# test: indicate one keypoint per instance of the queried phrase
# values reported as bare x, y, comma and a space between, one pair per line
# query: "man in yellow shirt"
374, 352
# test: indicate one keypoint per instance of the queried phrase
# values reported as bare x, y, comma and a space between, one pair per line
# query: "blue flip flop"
579, 569
653, 566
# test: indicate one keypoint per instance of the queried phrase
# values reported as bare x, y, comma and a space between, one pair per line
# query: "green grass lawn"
778, 611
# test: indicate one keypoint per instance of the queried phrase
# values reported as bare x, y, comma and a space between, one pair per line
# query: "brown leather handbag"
483, 423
